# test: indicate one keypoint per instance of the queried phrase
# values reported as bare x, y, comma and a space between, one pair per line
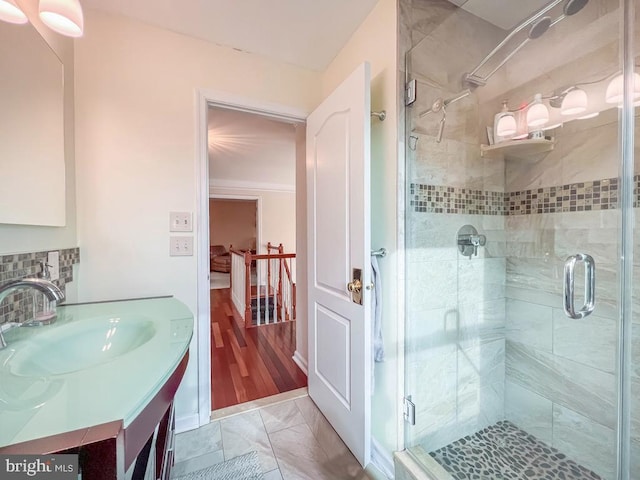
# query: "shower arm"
464, 93
510, 56
510, 36
476, 80
500, 65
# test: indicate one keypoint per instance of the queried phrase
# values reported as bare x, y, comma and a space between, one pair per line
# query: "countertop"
33, 407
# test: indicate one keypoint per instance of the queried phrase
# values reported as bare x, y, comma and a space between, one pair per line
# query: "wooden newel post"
247, 288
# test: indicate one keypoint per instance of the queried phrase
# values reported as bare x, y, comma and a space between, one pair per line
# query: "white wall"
376, 41
135, 151
277, 215
26, 238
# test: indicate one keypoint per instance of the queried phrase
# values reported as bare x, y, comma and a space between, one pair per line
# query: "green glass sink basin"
80, 345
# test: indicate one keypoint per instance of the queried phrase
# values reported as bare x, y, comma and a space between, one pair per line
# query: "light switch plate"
180, 222
53, 260
181, 246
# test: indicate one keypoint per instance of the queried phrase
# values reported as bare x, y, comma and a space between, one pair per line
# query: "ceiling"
250, 149
505, 14
306, 33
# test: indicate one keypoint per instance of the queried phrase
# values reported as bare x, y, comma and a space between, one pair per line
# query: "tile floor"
504, 451
293, 439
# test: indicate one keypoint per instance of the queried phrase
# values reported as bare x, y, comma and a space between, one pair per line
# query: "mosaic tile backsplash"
576, 197
18, 306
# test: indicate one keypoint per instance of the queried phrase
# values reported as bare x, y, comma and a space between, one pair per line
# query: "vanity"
99, 382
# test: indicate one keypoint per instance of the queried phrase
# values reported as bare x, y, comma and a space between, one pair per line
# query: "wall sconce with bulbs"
571, 101
62, 16
507, 127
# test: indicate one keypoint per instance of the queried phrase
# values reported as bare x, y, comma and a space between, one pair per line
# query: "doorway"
234, 222
252, 188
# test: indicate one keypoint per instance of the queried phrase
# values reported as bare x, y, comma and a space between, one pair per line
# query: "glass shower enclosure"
521, 360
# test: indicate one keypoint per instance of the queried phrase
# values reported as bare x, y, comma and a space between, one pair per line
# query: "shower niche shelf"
518, 148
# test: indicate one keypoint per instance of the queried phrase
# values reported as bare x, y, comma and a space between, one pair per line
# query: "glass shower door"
505, 383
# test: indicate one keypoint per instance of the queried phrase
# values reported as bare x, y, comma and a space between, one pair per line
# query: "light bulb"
11, 12
574, 102
538, 113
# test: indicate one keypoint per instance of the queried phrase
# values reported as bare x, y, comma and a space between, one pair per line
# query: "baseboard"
382, 459
186, 423
301, 362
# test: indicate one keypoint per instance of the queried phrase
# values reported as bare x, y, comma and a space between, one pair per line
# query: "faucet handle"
44, 270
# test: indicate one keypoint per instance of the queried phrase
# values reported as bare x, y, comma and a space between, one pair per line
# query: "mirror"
32, 161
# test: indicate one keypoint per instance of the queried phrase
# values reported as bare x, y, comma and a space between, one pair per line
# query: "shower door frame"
626, 175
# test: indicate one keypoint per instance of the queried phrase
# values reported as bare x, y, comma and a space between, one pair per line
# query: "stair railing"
263, 297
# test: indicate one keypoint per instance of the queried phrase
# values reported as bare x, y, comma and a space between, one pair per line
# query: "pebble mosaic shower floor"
503, 451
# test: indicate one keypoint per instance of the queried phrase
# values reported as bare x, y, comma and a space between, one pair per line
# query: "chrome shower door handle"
589, 285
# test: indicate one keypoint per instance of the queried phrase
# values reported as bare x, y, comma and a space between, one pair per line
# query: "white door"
338, 152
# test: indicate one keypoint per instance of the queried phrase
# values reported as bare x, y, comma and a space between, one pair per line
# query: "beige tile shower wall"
560, 372
450, 41
585, 150
455, 328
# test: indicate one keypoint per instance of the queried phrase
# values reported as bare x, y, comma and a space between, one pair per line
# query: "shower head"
539, 27
439, 103
573, 6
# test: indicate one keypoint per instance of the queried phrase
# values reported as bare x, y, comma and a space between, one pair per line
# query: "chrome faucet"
49, 289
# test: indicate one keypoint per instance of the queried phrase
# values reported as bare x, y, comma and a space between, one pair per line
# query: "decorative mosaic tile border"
18, 306
438, 199
575, 197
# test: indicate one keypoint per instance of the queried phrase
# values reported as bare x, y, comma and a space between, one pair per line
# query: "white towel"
376, 311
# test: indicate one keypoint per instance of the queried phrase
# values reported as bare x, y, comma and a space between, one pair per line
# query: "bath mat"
245, 467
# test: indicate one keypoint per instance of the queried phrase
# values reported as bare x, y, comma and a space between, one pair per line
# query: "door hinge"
409, 410
410, 92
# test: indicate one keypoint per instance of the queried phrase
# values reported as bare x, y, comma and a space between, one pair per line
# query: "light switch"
180, 222
181, 246
53, 260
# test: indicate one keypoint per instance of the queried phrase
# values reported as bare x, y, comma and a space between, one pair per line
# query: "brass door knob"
355, 286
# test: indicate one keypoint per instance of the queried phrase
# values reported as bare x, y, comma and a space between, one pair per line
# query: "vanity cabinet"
99, 382
112, 452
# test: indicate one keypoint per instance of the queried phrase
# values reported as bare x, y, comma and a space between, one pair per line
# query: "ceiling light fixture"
63, 16
11, 12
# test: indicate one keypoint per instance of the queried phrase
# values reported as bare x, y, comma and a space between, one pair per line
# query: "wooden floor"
249, 363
